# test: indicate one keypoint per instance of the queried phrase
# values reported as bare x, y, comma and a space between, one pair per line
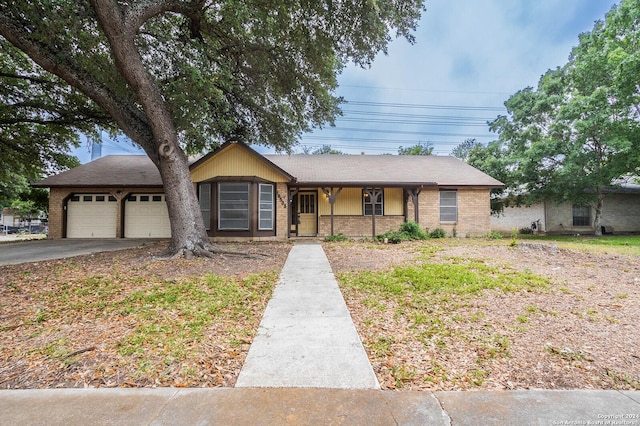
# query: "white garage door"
146, 216
92, 216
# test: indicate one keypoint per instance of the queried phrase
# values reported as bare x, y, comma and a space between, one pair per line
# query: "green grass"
430, 300
463, 278
172, 317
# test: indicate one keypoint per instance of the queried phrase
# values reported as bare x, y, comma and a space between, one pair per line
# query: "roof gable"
236, 159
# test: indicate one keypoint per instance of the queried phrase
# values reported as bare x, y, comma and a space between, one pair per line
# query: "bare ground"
580, 333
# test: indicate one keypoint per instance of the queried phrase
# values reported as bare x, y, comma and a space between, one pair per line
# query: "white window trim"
441, 206
270, 211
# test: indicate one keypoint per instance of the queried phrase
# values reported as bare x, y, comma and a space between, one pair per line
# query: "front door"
307, 219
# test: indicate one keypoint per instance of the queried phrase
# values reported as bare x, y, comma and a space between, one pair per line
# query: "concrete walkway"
306, 337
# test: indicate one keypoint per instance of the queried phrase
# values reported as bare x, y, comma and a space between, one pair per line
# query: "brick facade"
474, 210
358, 226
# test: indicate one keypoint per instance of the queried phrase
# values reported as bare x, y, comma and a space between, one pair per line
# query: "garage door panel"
91, 216
146, 216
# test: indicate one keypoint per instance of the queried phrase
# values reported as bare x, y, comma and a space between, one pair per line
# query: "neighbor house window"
581, 215
448, 206
233, 206
369, 204
265, 220
204, 195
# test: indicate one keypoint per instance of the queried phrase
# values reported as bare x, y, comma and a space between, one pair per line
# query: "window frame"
205, 203
263, 203
443, 207
372, 206
580, 220
247, 208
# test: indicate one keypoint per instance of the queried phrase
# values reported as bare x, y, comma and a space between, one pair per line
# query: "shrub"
438, 233
525, 230
413, 231
337, 237
408, 231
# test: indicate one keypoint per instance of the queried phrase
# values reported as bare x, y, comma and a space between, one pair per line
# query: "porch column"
413, 193
374, 196
331, 196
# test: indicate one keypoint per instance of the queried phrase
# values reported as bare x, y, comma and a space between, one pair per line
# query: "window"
112, 198
581, 215
448, 206
87, 198
75, 198
157, 198
132, 198
204, 195
307, 203
144, 198
233, 206
265, 220
368, 204
99, 197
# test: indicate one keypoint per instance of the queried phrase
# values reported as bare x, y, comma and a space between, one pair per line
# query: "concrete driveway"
12, 253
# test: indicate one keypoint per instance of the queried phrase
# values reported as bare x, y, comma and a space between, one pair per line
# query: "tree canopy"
183, 76
463, 150
579, 130
421, 148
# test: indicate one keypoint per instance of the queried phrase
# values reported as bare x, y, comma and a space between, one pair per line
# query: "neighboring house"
620, 214
244, 194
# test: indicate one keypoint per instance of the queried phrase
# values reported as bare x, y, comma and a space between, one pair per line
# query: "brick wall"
357, 226
282, 211
474, 211
518, 217
619, 211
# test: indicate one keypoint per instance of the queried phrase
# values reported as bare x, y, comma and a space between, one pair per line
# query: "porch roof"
381, 170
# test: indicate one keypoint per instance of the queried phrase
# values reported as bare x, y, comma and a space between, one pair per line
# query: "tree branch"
133, 123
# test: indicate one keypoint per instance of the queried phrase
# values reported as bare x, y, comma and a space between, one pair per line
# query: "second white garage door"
146, 216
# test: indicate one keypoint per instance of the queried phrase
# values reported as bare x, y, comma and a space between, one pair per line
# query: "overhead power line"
426, 106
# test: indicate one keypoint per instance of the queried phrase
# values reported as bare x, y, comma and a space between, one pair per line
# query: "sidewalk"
296, 406
307, 366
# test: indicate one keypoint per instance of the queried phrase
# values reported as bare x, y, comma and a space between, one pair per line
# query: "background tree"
579, 130
422, 148
326, 149
182, 76
463, 150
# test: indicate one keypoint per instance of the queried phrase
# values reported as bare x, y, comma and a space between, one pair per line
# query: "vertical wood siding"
235, 161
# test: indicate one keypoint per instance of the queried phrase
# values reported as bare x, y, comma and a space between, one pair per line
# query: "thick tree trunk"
188, 234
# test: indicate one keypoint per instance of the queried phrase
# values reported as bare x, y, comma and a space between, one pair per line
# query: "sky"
470, 56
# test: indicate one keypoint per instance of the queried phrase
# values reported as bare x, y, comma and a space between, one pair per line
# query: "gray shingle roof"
112, 170
388, 170
382, 170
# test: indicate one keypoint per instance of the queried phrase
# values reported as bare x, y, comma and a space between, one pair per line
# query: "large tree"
181, 76
579, 131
